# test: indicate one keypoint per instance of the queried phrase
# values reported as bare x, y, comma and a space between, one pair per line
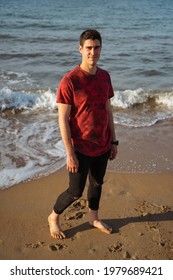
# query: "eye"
89, 48
97, 48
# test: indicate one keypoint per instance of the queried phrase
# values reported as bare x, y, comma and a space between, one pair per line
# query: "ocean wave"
11, 79
150, 73
6, 37
132, 98
6, 56
45, 98
165, 99
133, 108
33, 100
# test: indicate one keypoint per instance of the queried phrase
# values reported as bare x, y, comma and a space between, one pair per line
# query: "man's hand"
72, 163
113, 152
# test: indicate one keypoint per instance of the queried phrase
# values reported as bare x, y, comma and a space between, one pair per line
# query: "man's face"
90, 52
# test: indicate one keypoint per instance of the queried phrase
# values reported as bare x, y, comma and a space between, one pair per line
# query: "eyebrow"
91, 47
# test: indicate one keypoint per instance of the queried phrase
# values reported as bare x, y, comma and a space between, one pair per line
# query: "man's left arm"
112, 129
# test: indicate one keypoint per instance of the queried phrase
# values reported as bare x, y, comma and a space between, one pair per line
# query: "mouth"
93, 58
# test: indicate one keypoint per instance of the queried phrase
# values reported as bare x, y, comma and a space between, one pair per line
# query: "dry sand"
138, 207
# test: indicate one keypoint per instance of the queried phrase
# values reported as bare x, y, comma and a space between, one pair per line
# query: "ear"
80, 48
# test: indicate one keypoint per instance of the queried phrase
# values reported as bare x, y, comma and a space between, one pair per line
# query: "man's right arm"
64, 113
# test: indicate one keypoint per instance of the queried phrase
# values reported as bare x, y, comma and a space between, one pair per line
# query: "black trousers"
95, 167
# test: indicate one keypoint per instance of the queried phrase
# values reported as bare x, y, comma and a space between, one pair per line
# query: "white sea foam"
128, 98
30, 147
12, 175
139, 108
41, 99
46, 99
166, 99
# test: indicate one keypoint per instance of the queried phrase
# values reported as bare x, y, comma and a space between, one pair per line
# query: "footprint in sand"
75, 216
74, 212
115, 247
79, 204
56, 247
119, 248
51, 247
146, 209
35, 245
152, 227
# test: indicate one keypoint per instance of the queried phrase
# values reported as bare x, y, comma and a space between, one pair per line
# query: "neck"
89, 69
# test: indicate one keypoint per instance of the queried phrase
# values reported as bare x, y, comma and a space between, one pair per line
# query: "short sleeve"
65, 92
111, 91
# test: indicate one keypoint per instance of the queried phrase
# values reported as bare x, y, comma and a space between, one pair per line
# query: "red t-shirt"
87, 94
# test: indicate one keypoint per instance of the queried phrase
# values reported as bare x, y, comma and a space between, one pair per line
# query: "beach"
38, 46
137, 205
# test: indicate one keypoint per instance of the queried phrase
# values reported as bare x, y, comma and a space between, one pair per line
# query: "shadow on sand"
116, 224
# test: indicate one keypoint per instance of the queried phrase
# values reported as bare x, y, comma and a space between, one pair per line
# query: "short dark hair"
90, 34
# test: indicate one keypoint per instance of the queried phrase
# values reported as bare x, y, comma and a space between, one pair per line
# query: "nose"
93, 51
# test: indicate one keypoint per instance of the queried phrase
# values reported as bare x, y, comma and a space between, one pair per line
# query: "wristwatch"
116, 142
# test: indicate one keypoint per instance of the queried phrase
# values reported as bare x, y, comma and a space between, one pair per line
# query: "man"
87, 130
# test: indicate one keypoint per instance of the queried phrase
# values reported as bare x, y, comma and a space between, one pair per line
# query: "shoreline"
137, 206
141, 150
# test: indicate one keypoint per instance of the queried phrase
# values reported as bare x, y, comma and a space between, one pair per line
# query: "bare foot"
55, 229
95, 222
101, 226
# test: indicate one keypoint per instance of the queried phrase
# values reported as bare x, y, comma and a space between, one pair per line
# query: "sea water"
39, 44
